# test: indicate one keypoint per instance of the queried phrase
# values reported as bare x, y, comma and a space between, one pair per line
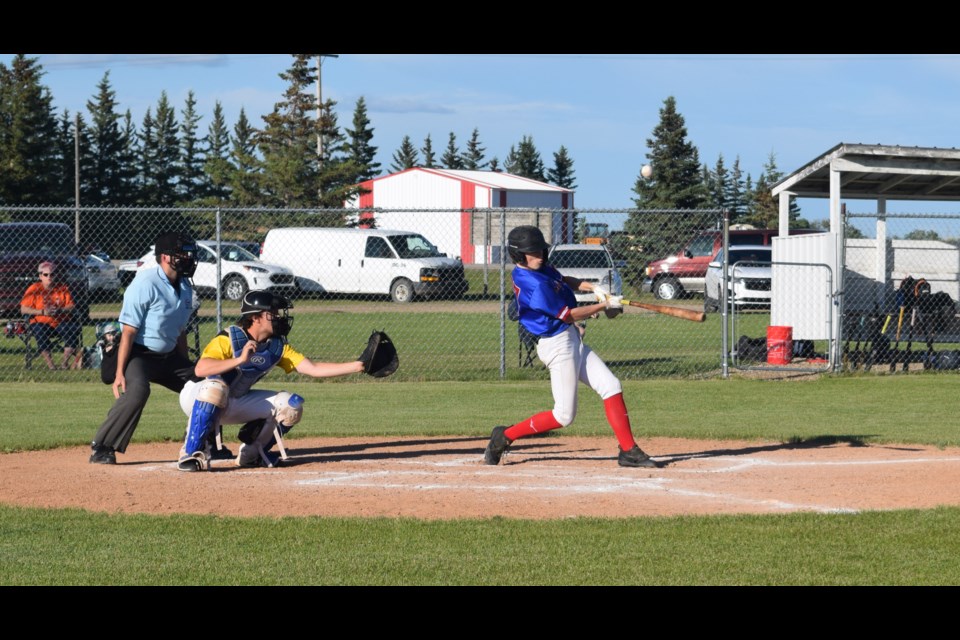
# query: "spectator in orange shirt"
50, 306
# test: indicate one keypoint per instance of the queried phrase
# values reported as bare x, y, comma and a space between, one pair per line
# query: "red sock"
619, 421
534, 424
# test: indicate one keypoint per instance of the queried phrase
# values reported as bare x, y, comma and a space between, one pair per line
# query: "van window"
414, 246
702, 246
377, 248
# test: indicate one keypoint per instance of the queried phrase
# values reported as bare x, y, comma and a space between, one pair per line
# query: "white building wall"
802, 291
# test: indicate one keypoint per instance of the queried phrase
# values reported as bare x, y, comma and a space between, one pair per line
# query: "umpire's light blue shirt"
156, 309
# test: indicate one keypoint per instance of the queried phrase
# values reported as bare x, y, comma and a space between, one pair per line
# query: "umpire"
153, 347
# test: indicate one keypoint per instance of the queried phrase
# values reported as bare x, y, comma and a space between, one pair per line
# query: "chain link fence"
437, 280
900, 292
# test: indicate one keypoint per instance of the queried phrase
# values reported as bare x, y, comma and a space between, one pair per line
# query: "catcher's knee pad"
288, 409
212, 397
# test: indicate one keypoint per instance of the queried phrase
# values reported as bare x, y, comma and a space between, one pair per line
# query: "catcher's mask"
182, 251
108, 331
279, 307
526, 239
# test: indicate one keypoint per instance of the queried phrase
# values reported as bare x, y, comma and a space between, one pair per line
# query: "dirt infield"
552, 477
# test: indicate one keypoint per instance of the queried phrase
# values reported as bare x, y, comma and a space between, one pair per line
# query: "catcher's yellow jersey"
220, 349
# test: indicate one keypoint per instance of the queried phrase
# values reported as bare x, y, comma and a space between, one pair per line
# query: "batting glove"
601, 293
614, 302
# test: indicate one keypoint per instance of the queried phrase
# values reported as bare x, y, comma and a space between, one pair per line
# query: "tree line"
170, 159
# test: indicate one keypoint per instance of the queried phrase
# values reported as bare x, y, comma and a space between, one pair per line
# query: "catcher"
235, 360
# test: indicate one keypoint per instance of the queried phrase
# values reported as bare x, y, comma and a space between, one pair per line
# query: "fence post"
219, 275
503, 306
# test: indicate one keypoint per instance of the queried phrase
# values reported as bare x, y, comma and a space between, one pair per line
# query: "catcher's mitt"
380, 357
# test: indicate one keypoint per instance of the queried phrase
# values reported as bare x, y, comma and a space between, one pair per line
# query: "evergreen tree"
217, 167
243, 181
338, 174
494, 164
451, 157
145, 158
192, 181
472, 158
735, 195
103, 181
718, 187
68, 157
361, 152
510, 160
527, 162
29, 135
676, 183
764, 211
405, 157
288, 141
160, 150
128, 188
429, 157
562, 173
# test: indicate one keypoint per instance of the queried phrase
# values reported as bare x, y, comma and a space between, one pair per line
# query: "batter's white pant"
569, 361
253, 405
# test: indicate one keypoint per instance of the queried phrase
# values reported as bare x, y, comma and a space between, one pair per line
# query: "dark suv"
23, 246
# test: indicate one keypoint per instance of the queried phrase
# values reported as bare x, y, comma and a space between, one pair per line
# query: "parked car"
590, 262
684, 272
401, 264
23, 246
252, 247
240, 271
101, 274
750, 277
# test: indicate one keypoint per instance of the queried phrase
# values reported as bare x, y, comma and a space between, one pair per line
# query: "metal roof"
871, 171
496, 179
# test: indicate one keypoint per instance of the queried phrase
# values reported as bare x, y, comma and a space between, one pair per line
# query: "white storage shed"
445, 198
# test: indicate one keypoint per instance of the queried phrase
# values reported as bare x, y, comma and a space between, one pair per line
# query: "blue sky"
601, 107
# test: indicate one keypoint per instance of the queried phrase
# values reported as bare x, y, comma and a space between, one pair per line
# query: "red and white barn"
447, 195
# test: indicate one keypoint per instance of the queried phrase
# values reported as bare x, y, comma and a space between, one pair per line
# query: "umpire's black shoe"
496, 447
222, 454
103, 455
635, 458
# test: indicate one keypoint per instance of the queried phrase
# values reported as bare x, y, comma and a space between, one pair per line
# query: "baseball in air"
646, 171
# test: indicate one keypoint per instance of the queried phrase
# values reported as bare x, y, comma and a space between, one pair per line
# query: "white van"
402, 264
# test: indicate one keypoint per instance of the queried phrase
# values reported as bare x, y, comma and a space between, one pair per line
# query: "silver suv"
750, 277
590, 262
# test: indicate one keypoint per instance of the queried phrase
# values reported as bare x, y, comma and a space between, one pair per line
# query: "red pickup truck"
684, 272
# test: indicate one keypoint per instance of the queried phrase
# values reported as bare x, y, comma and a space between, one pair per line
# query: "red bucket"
779, 345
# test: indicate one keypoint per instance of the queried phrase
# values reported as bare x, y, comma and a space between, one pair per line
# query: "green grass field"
71, 547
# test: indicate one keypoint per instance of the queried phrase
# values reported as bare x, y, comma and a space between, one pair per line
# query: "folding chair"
527, 348
527, 342
30, 349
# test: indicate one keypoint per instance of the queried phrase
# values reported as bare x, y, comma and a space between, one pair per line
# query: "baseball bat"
676, 312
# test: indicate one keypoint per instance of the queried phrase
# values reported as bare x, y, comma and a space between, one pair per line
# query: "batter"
547, 307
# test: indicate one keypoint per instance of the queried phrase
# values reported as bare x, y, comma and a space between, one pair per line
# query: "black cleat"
222, 454
103, 455
635, 458
496, 447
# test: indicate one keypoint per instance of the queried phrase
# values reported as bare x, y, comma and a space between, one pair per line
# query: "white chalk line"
563, 480
548, 483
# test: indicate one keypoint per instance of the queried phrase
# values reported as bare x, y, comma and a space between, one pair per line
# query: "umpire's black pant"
171, 370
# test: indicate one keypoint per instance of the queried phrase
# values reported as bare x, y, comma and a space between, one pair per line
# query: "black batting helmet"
260, 301
526, 239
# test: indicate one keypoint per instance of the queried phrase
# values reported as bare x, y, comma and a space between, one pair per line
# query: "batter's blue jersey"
544, 300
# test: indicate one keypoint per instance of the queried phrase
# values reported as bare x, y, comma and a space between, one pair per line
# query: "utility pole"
320, 57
